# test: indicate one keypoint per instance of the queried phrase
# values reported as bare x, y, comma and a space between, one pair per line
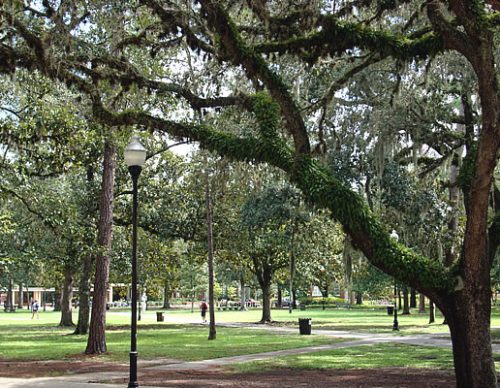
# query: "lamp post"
135, 156
395, 324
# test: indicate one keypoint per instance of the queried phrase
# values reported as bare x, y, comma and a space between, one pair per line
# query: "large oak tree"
245, 51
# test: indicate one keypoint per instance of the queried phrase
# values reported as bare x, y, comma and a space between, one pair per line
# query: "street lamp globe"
135, 153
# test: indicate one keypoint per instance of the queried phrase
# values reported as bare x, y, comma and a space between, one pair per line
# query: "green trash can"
390, 310
305, 325
159, 316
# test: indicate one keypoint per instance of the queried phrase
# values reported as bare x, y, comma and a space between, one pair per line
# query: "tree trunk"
243, 305
292, 269
469, 324
266, 303
406, 305
212, 334
421, 304
21, 296
96, 343
413, 298
166, 293
67, 297
324, 292
468, 312
432, 317
88, 259
82, 326
10, 296
279, 298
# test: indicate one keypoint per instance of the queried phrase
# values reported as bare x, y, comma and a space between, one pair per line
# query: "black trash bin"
159, 316
390, 310
305, 325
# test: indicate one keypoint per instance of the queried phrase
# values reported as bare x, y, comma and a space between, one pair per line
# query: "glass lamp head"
135, 153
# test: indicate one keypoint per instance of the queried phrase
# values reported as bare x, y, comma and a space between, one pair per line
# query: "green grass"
360, 357
23, 338
373, 320
40, 339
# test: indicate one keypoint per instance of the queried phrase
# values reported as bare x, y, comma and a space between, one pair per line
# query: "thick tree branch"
171, 19
452, 37
320, 187
256, 67
336, 36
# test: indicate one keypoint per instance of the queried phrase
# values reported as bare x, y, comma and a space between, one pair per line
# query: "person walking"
34, 309
203, 308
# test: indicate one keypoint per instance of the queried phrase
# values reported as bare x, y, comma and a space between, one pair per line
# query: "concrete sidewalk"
353, 339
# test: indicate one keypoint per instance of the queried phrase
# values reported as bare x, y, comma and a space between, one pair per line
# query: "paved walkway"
352, 339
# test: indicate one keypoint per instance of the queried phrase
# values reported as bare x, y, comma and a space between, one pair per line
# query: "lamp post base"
133, 383
395, 324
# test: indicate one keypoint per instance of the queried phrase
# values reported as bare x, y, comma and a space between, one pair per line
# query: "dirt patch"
218, 377
56, 368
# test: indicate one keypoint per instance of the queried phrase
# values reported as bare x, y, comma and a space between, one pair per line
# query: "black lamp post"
135, 156
395, 324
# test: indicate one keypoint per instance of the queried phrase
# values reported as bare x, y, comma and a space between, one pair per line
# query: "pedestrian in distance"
203, 308
34, 309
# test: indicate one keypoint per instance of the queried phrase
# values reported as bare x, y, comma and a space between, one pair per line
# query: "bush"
319, 301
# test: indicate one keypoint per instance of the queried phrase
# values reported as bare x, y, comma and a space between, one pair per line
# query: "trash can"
159, 316
305, 325
390, 310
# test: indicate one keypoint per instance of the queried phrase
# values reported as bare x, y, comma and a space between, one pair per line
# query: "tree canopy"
274, 81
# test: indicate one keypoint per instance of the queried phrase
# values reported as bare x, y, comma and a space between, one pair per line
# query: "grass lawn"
359, 357
23, 338
373, 320
40, 339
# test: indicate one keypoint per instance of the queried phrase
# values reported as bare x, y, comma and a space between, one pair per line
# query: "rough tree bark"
266, 302
67, 297
96, 343
88, 260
